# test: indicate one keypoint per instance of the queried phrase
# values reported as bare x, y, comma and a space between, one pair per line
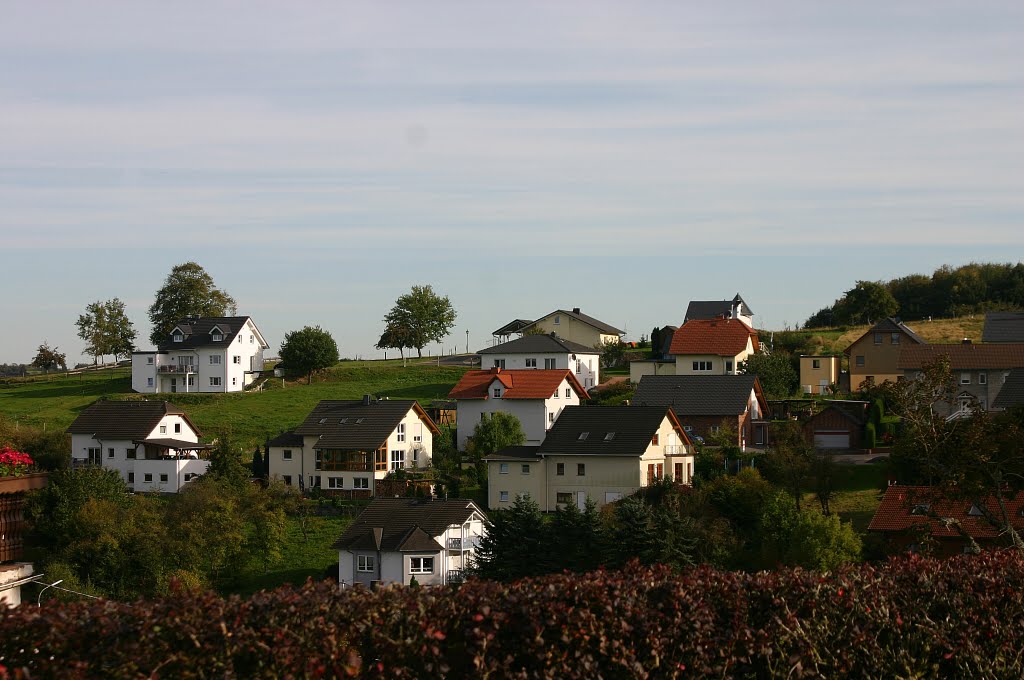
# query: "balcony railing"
674, 449
177, 368
456, 576
469, 543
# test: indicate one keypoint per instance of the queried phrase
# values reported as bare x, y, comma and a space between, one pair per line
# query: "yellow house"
575, 326
601, 453
875, 355
819, 373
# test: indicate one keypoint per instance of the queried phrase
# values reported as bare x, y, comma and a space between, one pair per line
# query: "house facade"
549, 352
874, 356
840, 425
708, 404
395, 540
153, 445
345, 446
535, 396
202, 354
819, 373
735, 308
980, 370
601, 453
712, 346
575, 326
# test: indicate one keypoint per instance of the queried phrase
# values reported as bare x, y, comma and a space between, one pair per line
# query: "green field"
859, 493
247, 418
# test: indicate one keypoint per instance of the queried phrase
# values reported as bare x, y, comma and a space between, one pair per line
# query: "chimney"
575, 310
367, 400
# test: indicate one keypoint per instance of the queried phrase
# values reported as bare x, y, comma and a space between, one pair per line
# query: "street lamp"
467, 341
39, 600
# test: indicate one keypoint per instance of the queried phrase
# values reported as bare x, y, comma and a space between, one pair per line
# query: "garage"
831, 439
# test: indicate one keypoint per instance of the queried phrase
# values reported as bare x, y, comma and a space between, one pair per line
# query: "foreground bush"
909, 618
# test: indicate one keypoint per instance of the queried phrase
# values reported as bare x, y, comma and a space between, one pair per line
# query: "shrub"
870, 436
912, 617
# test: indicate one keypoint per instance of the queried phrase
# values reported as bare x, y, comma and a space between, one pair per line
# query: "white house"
599, 452
344, 446
535, 397
202, 354
545, 352
397, 539
153, 445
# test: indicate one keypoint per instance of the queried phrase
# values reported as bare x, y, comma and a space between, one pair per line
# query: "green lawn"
860, 492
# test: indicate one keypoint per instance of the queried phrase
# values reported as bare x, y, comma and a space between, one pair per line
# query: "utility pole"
467, 341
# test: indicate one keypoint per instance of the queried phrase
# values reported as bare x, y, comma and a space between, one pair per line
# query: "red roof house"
712, 346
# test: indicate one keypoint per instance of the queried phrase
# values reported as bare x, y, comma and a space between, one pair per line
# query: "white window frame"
982, 379
397, 459
365, 564
965, 378
531, 362
215, 381
163, 477
214, 359
147, 478
400, 432
503, 496
335, 482
236, 359
179, 337
286, 454
703, 366
149, 382
149, 361
568, 392
421, 565
163, 429
502, 468
549, 364
361, 483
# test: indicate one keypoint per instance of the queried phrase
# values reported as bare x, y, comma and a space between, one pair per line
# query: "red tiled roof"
965, 357
519, 384
895, 513
720, 337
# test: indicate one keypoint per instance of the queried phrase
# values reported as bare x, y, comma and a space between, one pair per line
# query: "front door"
174, 384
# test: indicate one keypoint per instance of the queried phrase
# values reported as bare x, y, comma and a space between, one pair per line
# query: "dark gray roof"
854, 411
632, 428
515, 453
539, 344
286, 439
513, 326
608, 329
1012, 392
406, 524
355, 424
712, 309
890, 325
1003, 327
696, 395
178, 444
197, 332
132, 420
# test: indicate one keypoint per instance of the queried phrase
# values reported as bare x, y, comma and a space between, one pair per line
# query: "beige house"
980, 370
575, 326
819, 373
601, 453
712, 346
875, 355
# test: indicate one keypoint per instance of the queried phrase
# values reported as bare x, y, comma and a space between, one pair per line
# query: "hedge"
911, 617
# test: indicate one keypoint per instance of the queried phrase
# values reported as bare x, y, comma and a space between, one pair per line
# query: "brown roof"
904, 507
964, 356
719, 337
527, 383
125, 419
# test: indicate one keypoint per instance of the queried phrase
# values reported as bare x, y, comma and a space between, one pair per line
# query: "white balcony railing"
178, 369
675, 450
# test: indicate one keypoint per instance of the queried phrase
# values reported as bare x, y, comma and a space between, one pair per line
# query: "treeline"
909, 618
948, 292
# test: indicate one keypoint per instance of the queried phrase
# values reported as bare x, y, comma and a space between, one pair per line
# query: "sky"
320, 158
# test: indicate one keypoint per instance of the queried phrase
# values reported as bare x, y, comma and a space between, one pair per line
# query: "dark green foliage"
870, 436
776, 373
495, 433
576, 538
908, 618
106, 329
226, 465
257, 468
55, 508
790, 461
823, 318
634, 535
515, 543
187, 291
614, 394
866, 302
419, 317
50, 358
308, 350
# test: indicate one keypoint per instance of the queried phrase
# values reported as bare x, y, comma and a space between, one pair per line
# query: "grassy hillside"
247, 418
835, 340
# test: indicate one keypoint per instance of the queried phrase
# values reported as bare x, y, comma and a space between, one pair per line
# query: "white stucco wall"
586, 367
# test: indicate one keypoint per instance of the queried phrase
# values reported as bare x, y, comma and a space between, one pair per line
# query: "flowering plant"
14, 463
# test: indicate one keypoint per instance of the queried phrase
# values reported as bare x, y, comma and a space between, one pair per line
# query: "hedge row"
909, 618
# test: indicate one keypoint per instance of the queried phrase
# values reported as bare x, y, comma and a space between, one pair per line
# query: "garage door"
832, 439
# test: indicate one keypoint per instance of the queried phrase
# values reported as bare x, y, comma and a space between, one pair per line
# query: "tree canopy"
775, 372
106, 329
421, 316
308, 350
187, 291
497, 432
49, 358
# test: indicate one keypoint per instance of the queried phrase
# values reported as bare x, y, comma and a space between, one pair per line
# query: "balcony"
177, 369
675, 450
469, 543
456, 576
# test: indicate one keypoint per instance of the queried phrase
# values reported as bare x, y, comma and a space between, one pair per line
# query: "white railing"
176, 368
674, 449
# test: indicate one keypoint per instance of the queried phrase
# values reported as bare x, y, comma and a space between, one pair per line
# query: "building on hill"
514, 327
395, 540
599, 452
575, 326
735, 308
535, 396
1003, 327
980, 369
713, 346
819, 373
874, 356
705, 404
202, 354
546, 351
345, 446
153, 445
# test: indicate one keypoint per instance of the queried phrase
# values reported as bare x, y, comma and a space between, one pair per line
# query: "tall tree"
495, 433
187, 291
775, 372
866, 302
106, 329
427, 316
396, 336
48, 358
309, 350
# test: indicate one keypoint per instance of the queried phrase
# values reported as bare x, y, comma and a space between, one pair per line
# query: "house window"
287, 454
560, 469
236, 359
400, 432
149, 382
335, 482
110, 452
234, 381
214, 381
728, 367
129, 453
177, 428
364, 563
178, 337
860, 360
287, 480
581, 469
894, 338
189, 476
361, 483
558, 319
555, 395
965, 378
551, 417
149, 360
499, 363
163, 478
216, 337
568, 392
148, 478
579, 366
503, 496
191, 382
252, 339
239, 339
163, 429
609, 436
503, 468
878, 338
982, 379
421, 565
815, 363
702, 365
549, 364
715, 429
526, 469
397, 459
214, 359
497, 393
563, 497
531, 363
131, 477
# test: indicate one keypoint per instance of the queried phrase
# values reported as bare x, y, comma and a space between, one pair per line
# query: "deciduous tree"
309, 350
50, 359
774, 371
423, 317
187, 291
106, 329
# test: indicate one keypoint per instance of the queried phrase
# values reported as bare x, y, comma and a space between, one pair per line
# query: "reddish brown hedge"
909, 618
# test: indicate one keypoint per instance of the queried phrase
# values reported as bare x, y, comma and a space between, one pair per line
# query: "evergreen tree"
515, 543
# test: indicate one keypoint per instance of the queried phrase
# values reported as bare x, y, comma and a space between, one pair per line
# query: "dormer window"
975, 511
921, 509
178, 336
583, 436
497, 393
610, 436
216, 335
342, 421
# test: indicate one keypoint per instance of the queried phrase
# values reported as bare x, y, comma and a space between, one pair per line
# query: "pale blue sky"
319, 158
